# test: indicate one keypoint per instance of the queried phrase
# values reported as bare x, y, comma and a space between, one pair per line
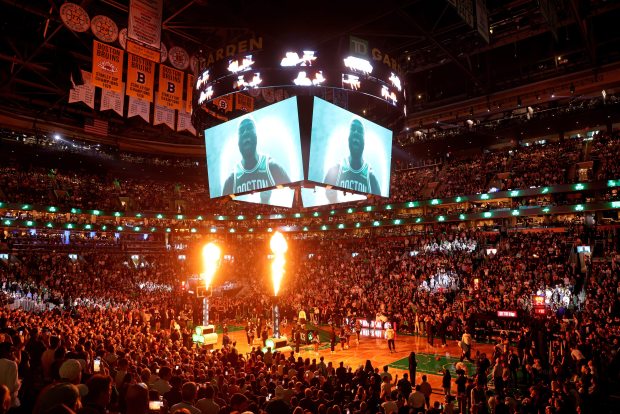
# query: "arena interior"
341, 207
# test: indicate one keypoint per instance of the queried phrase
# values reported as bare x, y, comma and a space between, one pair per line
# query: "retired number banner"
140, 77
170, 88
145, 22
190, 93
107, 67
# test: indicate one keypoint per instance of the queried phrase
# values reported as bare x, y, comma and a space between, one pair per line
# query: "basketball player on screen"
255, 171
353, 172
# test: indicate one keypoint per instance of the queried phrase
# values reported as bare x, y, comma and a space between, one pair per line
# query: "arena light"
49, 225
376, 223
302, 79
514, 193
484, 196
458, 199
358, 64
341, 226
205, 95
396, 81
236, 66
358, 225
293, 59
241, 83
435, 201
278, 247
461, 216
51, 209
418, 220
210, 261
615, 204
351, 81
389, 95
487, 214
441, 218
202, 79
610, 183
515, 212
579, 186
579, 207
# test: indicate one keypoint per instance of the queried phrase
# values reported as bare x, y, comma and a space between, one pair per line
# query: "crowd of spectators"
122, 189
131, 316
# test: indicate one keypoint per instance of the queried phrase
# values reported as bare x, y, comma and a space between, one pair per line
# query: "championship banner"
113, 100
184, 122
170, 87
107, 66
140, 108
163, 115
244, 103
145, 22
85, 92
225, 103
189, 92
140, 77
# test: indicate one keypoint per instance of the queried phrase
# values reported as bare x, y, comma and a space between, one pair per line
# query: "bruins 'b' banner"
107, 67
140, 77
170, 88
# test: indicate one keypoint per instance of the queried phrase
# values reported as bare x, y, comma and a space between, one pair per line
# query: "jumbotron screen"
280, 197
255, 152
348, 151
320, 196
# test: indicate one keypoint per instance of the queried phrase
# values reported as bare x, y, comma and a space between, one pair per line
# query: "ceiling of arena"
444, 59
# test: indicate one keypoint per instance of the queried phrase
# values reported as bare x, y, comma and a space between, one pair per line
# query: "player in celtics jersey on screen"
255, 172
353, 172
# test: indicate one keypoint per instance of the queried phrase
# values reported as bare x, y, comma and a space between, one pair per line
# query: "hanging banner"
225, 103
170, 87
107, 66
145, 22
85, 92
140, 77
184, 122
143, 51
140, 108
244, 103
113, 100
163, 115
189, 93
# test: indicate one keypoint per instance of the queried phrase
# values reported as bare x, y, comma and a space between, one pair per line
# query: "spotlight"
56, 136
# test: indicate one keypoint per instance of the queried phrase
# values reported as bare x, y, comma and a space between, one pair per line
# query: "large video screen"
256, 151
280, 197
348, 151
320, 196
